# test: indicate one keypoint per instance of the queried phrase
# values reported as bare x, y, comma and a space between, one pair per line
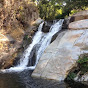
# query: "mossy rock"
81, 69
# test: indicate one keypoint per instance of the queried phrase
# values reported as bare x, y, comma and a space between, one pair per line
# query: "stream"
24, 80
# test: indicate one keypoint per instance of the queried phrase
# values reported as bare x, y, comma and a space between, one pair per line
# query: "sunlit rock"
82, 24
79, 16
37, 22
61, 56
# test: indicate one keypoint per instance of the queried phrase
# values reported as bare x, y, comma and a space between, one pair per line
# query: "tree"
73, 4
50, 9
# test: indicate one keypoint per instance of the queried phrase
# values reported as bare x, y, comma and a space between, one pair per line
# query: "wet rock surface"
46, 28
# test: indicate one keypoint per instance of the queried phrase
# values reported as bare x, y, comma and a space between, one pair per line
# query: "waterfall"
43, 39
46, 41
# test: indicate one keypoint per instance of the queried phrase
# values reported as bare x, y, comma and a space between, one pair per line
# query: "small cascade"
25, 58
43, 40
46, 41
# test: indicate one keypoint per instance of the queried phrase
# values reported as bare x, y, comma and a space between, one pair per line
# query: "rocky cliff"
61, 56
16, 23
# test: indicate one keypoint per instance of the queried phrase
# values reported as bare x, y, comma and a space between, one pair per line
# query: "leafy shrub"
81, 68
71, 76
83, 64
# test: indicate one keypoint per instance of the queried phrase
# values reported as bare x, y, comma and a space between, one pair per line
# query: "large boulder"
61, 55
82, 24
79, 16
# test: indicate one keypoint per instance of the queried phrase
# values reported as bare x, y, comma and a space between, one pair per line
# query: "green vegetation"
56, 9
71, 76
82, 60
81, 68
27, 38
83, 64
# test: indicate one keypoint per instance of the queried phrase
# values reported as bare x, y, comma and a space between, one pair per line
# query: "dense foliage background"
54, 9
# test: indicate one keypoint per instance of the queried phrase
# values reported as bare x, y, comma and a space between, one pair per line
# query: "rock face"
16, 18
66, 23
79, 16
82, 24
61, 56
83, 15
84, 78
45, 28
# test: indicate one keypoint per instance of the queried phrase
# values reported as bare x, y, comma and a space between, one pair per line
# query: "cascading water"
46, 41
43, 39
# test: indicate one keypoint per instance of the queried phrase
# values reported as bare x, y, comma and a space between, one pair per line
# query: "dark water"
24, 80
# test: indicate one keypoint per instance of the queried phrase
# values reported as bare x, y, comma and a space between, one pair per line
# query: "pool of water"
24, 80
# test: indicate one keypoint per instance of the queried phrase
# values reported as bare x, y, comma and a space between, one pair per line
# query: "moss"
82, 60
71, 76
83, 64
